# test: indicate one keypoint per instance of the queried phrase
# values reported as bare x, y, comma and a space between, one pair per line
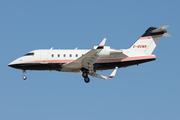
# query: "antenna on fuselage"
76, 48
51, 48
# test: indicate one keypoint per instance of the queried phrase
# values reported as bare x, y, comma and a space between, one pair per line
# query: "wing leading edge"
86, 61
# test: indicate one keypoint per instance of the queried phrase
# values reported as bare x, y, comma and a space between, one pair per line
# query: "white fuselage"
52, 59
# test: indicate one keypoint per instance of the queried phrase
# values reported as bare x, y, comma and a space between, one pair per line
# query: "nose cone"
15, 64
18, 64
12, 64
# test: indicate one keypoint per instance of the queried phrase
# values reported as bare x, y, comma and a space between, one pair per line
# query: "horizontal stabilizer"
161, 29
166, 35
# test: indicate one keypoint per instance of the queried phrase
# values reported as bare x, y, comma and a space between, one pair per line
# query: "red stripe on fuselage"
150, 37
125, 59
138, 58
59, 61
100, 60
51, 61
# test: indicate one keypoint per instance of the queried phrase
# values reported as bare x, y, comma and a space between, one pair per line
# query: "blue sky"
149, 91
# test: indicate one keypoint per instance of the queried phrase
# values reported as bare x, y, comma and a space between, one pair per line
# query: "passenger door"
44, 56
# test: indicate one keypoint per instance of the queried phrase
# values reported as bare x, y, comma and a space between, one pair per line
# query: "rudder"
149, 40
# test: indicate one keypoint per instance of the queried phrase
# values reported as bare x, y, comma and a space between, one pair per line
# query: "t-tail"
149, 40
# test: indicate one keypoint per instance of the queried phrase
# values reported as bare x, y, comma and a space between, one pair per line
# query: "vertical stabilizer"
149, 40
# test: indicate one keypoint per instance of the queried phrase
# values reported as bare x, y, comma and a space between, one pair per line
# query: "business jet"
88, 62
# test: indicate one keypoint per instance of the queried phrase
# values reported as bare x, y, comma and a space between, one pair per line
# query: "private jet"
88, 62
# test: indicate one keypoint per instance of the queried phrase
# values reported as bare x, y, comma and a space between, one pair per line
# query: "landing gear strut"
24, 77
85, 75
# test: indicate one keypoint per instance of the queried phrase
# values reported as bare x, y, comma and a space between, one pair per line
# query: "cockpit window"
28, 54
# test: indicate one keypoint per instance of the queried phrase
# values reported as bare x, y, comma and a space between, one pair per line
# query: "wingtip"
103, 42
101, 45
113, 73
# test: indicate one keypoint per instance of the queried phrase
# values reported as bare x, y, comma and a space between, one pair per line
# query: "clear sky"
150, 91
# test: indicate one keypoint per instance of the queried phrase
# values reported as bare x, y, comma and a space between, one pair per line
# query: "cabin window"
64, 55
58, 55
52, 55
70, 55
28, 54
76, 55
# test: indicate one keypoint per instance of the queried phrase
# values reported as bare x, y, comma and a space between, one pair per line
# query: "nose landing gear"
24, 77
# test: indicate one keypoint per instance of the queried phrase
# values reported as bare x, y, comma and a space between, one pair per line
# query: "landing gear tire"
86, 79
24, 77
84, 74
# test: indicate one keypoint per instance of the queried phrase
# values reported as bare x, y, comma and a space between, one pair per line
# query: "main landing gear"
24, 77
86, 78
85, 75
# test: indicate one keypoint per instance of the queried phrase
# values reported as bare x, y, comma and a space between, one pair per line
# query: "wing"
85, 61
104, 77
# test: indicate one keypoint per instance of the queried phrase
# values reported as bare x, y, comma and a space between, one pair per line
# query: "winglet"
101, 45
113, 73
